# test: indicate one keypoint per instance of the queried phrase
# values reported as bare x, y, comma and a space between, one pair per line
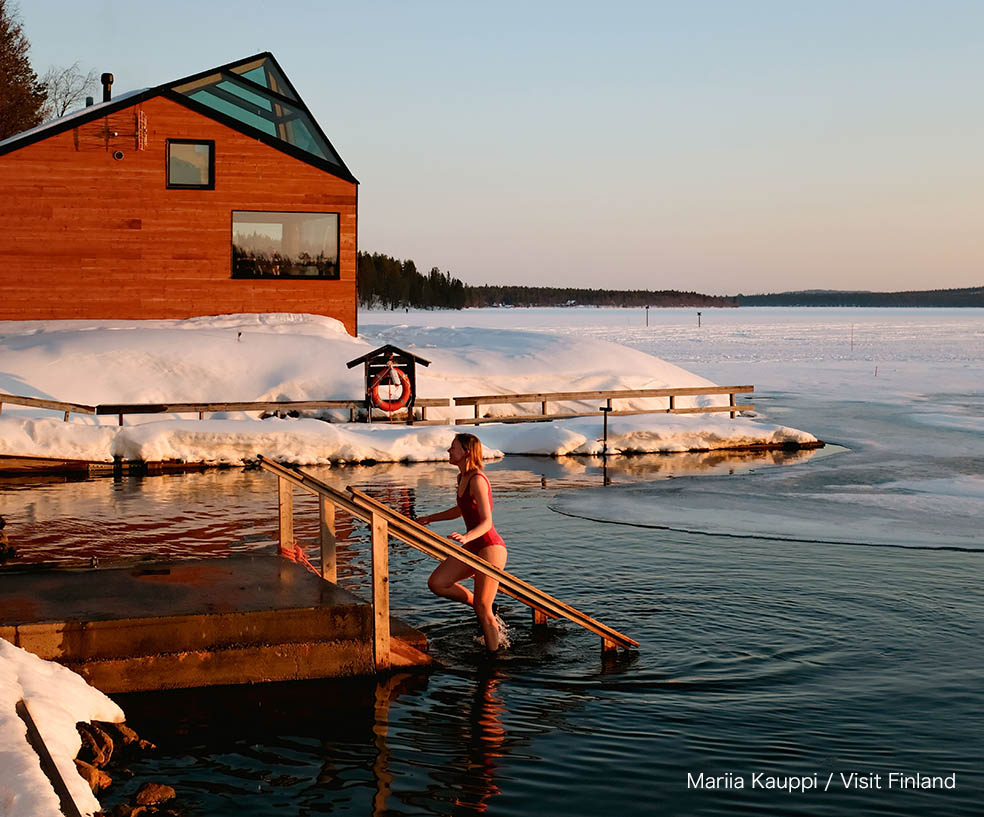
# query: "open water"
766, 665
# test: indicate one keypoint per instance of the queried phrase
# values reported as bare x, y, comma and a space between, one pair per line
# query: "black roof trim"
389, 347
165, 90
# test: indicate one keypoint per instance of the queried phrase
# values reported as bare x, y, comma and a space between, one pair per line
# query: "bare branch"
67, 88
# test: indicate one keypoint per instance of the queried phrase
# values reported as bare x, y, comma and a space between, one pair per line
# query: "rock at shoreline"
96, 778
97, 745
150, 794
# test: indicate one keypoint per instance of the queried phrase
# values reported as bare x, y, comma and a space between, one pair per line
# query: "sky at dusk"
722, 147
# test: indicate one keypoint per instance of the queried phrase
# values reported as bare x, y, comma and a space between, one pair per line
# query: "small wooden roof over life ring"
390, 366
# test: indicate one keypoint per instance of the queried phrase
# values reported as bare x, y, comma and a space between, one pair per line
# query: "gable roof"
251, 95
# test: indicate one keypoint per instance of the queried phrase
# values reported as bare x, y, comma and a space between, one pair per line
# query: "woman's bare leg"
485, 589
444, 580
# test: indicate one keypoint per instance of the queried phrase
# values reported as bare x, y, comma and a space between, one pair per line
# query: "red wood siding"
83, 235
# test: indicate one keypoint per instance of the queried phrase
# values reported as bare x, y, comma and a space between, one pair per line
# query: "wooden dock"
167, 625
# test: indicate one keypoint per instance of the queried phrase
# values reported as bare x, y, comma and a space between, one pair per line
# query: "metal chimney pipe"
107, 83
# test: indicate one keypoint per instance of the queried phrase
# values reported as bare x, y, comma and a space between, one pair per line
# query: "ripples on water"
782, 658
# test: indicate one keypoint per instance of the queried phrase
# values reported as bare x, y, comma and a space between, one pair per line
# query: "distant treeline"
391, 283
972, 296
567, 296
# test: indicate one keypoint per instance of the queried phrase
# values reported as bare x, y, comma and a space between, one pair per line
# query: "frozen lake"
901, 389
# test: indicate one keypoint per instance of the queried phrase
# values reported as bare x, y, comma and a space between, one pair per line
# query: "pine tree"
22, 94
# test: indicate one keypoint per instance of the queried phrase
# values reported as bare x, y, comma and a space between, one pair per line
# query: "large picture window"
191, 164
284, 245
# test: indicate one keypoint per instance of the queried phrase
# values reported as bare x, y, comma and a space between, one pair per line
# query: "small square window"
191, 164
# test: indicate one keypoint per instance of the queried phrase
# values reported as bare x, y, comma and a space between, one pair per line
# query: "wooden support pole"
732, 404
329, 559
608, 647
201, 415
477, 415
285, 497
539, 618
380, 592
672, 402
543, 407
121, 419
68, 805
66, 416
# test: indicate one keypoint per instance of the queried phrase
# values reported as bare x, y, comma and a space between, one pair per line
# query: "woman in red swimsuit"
474, 506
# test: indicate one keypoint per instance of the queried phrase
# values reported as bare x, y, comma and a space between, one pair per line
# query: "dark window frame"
211, 164
338, 246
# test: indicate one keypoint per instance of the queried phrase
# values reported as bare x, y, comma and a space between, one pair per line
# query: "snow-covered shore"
57, 699
302, 357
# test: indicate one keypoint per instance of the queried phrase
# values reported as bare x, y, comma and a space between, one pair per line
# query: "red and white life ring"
397, 377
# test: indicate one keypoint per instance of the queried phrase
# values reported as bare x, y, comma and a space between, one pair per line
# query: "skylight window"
257, 95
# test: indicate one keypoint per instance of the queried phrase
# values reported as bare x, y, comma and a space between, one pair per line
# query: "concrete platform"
165, 625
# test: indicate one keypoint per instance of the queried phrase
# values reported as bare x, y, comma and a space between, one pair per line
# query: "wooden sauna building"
216, 193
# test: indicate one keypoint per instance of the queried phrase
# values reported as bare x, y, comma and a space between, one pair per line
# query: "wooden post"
201, 415
121, 419
672, 402
329, 562
66, 417
604, 440
285, 492
68, 805
543, 408
539, 618
732, 403
380, 592
608, 647
477, 415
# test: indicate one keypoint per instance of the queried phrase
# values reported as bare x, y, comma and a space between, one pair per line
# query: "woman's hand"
424, 520
458, 537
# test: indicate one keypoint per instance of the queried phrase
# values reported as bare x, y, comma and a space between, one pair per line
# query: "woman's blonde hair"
472, 447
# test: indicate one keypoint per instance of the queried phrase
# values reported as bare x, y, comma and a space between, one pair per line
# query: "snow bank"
58, 699
302, 357
313, 442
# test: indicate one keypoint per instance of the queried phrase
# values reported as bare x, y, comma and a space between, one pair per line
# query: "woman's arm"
481, 497
441, 516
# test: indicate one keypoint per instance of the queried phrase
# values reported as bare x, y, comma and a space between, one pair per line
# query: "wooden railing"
280, 407
423, 403
384, 522
54, 405
546, 398
201, 409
